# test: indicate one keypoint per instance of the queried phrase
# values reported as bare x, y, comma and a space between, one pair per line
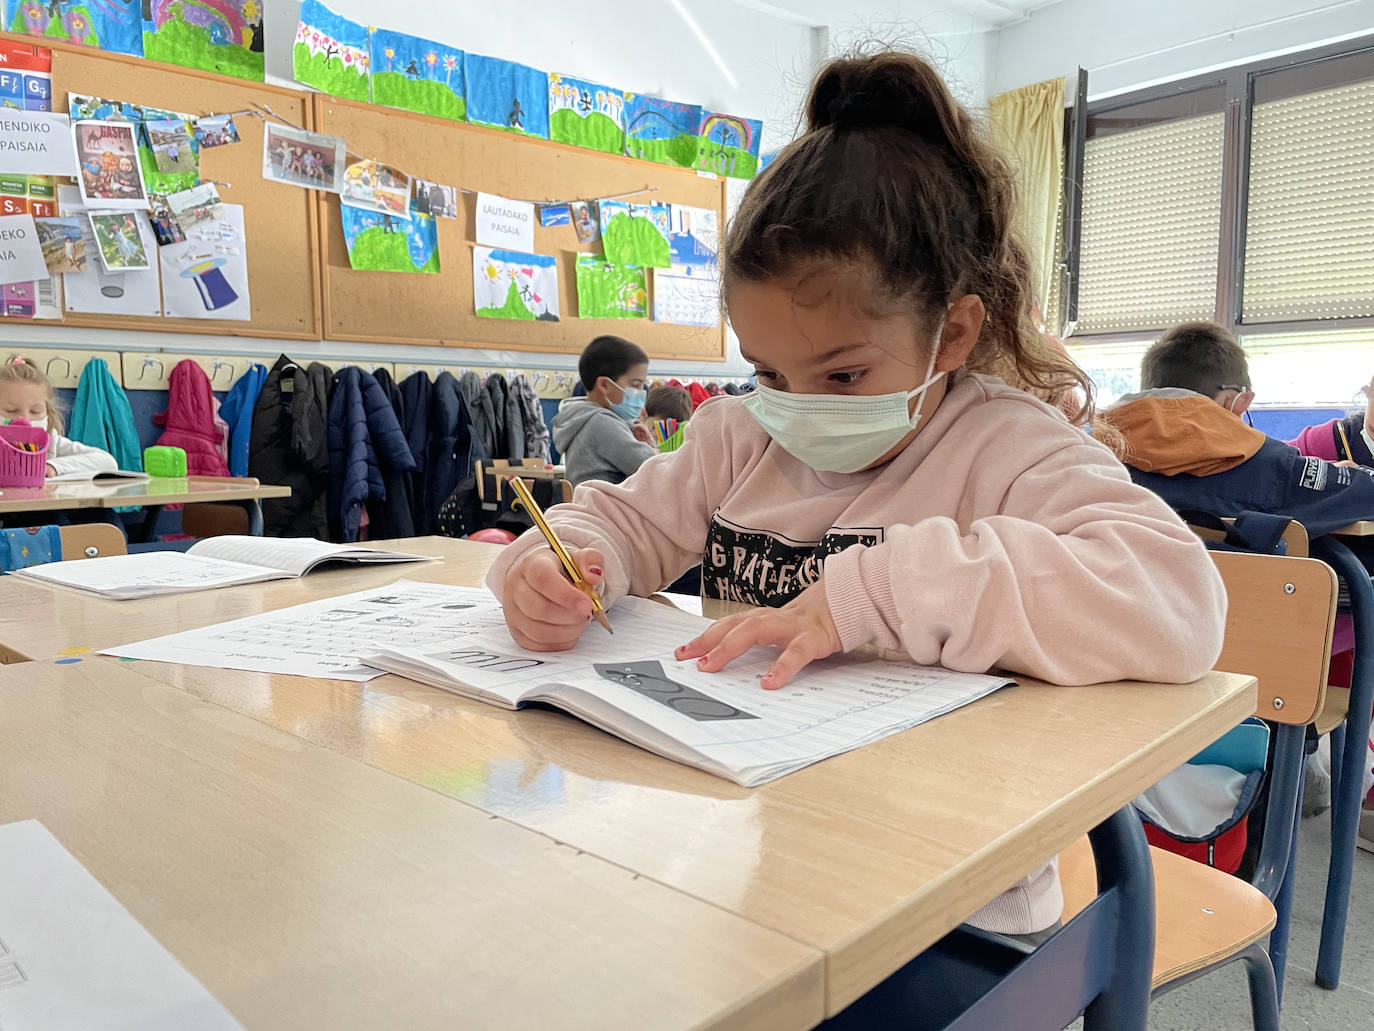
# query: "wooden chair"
94, 540
546, 482
1278, 629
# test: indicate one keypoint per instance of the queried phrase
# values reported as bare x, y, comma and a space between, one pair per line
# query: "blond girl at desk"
880, 487
26, 393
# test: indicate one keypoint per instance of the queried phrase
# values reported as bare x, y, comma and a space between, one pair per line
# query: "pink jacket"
190, 421
1000, 537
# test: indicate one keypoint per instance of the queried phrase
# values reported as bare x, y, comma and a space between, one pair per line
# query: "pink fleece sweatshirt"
1000, 537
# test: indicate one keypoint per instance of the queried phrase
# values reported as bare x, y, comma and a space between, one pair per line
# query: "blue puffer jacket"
366, 446
237, 411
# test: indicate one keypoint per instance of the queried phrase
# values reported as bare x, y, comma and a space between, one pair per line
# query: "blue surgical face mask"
631, 404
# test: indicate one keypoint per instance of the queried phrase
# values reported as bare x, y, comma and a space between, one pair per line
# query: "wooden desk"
38, 621
1363, 528
153, 493
304, 889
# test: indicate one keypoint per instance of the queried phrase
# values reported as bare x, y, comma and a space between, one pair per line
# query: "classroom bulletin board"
437, 310
280, 221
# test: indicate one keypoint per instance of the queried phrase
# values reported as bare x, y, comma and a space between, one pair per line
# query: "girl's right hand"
544, 611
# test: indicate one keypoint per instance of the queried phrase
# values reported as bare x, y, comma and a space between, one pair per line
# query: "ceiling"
993, 14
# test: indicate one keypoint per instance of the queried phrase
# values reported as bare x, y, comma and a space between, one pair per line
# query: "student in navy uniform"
1186, 440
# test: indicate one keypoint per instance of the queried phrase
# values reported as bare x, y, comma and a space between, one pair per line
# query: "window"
1309, 240
1244, 196
1151, 225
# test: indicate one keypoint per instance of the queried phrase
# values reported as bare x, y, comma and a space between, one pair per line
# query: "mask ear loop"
931, 377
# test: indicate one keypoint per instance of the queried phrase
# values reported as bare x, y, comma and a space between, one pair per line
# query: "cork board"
279, 221
403, 308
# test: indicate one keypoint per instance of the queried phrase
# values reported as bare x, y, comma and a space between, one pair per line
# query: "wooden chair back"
94, 540
1295, 537
1279, 621
546, 482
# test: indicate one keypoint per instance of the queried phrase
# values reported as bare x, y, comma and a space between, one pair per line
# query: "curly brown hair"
893, 180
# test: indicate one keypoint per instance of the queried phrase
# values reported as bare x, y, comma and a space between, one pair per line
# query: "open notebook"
104, 476
724, 723
214, 562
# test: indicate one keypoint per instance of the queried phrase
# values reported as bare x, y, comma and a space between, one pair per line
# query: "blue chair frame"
1097, 965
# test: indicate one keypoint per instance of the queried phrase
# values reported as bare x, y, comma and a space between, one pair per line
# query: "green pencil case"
164, 461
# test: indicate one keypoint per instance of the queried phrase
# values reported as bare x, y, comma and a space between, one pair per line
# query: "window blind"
1151, 226
1309, 247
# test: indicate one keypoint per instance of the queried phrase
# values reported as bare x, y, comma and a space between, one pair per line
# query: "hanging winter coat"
416, 391
395, 517
288, 446
367, 451
483, 416
190, 420
237, 412
103, 418
510, 423
532, 413
454, 451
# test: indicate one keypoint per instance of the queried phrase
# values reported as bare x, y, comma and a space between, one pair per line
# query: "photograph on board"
300, 158
108, 157
434, 199
118, 240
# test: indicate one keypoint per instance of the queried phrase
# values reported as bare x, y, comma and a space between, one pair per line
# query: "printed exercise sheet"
321, 638
71, 956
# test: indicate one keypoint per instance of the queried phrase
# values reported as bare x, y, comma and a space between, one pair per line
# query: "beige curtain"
1028, 124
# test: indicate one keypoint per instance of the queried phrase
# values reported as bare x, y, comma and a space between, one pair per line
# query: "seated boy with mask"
595, 434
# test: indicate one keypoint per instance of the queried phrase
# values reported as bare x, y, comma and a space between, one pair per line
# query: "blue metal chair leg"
1283, 904
1123, 859
1345, 806
254, 508
1264, 1002
1337, 736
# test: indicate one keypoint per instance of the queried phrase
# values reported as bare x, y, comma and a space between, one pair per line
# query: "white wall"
769, 51
1129, 44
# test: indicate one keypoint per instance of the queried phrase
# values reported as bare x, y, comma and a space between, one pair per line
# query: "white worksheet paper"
72, 957
321, 638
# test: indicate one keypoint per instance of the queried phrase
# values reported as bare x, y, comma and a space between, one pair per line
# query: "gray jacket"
596, 444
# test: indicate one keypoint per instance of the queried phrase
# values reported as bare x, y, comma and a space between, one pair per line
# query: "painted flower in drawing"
450, 63
390, 53
431, 59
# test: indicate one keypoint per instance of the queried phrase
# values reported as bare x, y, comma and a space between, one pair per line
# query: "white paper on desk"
320, 638
72, 957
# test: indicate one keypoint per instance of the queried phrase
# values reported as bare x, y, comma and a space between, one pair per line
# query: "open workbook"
630, 685
103, 476
214, 562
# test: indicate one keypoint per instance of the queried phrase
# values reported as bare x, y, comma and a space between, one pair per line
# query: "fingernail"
679, 650
594, 570
701, 662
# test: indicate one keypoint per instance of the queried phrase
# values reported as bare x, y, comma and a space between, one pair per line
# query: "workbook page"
294, 555
152, 573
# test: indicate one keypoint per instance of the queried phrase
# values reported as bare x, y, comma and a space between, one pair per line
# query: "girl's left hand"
803, 628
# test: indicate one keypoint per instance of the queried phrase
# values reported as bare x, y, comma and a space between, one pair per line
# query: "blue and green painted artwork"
661, 130
506, 95
115, 25
728, 145
586, 114
417, 74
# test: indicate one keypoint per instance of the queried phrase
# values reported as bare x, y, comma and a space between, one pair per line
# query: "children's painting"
115, 25
693, 235
586, 220
434, 199
108, 157
635, 234
301, 158
379, 242
223, 36
369, 184
728, 145
417, 75
64, 244
610, 291
687, 295
586, 114
206, 276
661, 130
118, 241
514, 285
171, 142
331, 53
505, 95
216, 130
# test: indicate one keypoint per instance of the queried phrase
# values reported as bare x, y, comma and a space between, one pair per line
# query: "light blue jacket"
101, 416
237, 411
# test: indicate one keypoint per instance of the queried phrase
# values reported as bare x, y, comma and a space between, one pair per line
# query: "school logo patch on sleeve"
762, 568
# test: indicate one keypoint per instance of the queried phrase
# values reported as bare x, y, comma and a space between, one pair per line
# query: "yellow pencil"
1345, 441
523, 495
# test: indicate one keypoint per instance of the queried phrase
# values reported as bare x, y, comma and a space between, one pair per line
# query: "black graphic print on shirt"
762, 568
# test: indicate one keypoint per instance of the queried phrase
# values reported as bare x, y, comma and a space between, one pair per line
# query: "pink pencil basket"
20, 468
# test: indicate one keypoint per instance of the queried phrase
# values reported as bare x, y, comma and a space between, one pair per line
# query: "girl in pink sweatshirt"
880, 487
